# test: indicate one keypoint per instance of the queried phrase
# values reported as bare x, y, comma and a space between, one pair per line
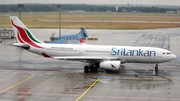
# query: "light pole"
59, 6
20, 6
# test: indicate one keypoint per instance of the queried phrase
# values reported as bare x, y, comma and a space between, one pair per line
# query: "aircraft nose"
174, 56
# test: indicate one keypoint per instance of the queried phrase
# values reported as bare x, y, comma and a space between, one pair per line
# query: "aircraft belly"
61, 53
129, 59
145, 60
35, 50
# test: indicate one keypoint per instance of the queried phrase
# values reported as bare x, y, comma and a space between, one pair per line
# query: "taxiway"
29, 77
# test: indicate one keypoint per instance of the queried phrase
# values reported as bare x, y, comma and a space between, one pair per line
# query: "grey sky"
147, 2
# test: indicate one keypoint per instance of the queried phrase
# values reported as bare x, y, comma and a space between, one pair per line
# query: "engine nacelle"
111, 65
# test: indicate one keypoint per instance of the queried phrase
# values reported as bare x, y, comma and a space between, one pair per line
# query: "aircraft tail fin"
23, 35
81, 41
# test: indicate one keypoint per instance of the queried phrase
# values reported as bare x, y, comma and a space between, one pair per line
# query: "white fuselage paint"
128, 53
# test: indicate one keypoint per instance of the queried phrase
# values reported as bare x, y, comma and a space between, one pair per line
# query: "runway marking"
88, 89
16, 84
9, 60
152, 40
12, 58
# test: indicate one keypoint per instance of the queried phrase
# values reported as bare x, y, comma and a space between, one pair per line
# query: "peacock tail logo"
24, 36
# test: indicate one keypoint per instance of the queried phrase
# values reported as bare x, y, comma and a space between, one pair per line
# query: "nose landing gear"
155, 72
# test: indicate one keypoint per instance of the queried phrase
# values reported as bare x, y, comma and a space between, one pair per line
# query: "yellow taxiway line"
9, 60
88, 89
16, 84
152, 40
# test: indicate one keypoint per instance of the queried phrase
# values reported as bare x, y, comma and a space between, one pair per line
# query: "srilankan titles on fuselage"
132, 52
118, 51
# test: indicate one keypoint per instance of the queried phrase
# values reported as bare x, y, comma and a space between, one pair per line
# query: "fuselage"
98, 56
128, 54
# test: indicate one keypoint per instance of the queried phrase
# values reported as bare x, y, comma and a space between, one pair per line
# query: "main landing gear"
156, 70
90, 68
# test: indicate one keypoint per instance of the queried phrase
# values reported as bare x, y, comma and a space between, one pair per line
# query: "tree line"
84, 7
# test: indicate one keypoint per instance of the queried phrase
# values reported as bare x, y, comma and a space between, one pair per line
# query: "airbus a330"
98, 56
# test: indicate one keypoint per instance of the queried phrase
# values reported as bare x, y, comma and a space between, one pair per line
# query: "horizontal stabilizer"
18, 44
22, 45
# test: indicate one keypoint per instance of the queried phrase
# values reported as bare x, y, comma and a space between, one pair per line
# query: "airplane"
69, 39
98, 56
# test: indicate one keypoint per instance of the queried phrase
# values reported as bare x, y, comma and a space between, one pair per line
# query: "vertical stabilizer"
23, 35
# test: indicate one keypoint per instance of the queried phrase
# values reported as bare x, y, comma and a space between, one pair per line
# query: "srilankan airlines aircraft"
98, 56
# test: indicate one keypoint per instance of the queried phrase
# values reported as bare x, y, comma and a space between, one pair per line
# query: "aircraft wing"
91, 58
84, 58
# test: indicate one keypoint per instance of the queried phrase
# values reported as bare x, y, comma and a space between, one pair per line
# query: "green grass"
31, 20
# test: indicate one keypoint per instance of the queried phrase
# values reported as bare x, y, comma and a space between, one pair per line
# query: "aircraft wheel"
93, 68
156, 68
86, 69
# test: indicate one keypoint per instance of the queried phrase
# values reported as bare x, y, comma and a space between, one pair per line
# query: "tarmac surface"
29, 77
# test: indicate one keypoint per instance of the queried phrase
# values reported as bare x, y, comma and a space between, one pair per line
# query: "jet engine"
111, 65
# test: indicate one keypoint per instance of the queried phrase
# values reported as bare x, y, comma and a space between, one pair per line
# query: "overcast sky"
147, 2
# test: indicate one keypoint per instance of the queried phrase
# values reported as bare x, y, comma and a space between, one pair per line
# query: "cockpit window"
168, 53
